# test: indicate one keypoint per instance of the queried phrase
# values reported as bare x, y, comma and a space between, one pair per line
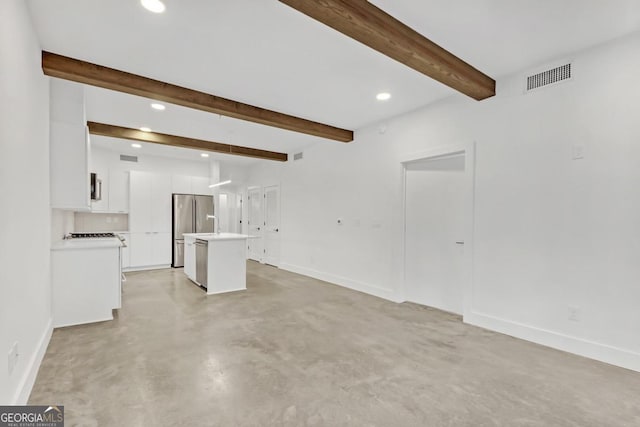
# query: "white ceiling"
264, 53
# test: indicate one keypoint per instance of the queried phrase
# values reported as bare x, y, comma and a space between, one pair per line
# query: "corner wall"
553, 235
25, 292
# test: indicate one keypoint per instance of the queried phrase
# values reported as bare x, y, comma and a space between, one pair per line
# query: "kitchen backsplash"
100, 222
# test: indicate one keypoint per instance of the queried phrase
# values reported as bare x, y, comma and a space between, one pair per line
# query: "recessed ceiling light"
384, 96
145, 129
204, 154
155, 6
158, 107
136, 145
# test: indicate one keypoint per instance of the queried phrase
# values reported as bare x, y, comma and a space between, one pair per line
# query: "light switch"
578, 151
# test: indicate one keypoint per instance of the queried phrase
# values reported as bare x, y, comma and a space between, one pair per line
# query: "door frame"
468, 150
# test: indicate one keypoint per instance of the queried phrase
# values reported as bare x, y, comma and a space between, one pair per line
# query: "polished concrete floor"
293, 351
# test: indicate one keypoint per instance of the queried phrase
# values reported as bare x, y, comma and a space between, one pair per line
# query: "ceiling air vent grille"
298, 156
545, 78
125, 158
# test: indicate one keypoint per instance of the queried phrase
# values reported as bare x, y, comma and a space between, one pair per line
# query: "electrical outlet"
574, 314
13, 358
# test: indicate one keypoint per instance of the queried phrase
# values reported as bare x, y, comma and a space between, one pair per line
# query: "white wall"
107, 159
25, 292
550, 232
62, 223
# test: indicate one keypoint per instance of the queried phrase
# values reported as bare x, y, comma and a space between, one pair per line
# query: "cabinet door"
160, 203
161, 250
200, 185
69, 162
126, 251
140, 202
141, 249
190, 258
118, 191
181, 184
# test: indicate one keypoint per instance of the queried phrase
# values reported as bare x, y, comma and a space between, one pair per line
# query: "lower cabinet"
125, 254
190, 257
86, 284
149, 249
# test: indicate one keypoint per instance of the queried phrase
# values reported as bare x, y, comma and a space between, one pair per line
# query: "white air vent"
545, 78
298, 156
125, 158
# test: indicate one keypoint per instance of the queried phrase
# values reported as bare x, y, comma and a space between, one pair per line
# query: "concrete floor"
293, 351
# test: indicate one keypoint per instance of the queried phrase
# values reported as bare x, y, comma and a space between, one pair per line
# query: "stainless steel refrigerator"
189, 216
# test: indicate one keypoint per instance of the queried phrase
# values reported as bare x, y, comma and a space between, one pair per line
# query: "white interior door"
435, 225
271, 225
254, 223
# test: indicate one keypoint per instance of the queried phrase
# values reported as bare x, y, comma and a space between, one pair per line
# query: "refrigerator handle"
194, 212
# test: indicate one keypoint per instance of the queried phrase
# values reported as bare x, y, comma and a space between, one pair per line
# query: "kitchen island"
216, 261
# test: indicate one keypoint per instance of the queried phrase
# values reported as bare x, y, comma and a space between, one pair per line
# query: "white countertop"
217, 236
71, 244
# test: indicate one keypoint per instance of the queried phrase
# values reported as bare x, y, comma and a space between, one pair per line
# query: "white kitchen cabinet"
190, 257
149, 202
161, 203
181, 184
118, 191
162, 248
184, 184
86, 284
149, 219
140, 247
70, 147
125, 254
69, 167
150, 249
139, 202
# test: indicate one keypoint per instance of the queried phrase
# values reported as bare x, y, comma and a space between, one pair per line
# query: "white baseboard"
29, 378
343, 281
593, 350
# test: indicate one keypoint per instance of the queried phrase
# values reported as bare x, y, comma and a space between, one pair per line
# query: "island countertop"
217, 236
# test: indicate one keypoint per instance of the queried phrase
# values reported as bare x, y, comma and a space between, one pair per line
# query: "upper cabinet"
150, 202
70, 147
118, 191
115, 191
184, 184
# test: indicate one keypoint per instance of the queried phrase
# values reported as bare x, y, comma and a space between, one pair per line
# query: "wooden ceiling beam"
181, 141
373, 27
96, 75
